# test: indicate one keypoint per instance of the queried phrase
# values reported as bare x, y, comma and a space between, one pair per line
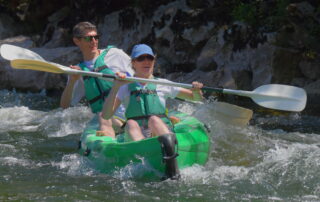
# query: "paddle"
273, 96
225, 112
11, 52
231, 114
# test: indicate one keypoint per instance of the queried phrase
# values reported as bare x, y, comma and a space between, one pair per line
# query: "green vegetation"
258, 13
310, 54
14, 6
246, 12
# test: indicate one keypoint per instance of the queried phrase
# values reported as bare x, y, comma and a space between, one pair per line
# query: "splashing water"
273, 158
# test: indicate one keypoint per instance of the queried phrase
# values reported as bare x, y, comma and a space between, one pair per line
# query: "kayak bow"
111, 155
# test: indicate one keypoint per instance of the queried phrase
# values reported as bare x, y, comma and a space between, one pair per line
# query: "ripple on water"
274, 158
13, 161
55, 123
59, 123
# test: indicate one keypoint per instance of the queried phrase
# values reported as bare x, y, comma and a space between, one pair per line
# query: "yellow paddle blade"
232, 114
37, 65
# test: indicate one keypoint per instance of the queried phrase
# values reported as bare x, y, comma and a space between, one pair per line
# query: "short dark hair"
82, 27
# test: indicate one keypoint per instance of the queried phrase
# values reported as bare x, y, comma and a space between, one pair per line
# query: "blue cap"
141, 49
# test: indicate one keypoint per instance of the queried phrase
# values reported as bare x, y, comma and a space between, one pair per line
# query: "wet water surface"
274, 158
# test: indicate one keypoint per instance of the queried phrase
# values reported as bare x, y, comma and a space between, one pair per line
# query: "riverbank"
217, 43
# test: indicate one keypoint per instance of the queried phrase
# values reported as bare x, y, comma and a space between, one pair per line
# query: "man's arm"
67, 94
111, 102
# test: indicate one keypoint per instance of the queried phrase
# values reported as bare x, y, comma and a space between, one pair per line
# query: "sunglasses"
90, 38
144, 57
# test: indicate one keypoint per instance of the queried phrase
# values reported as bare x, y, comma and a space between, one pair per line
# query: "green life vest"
97, 89
145, 102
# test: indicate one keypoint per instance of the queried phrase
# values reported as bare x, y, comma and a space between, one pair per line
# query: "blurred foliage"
279, 15
310, 54
262, 15
246, 13
268, 15
14, 6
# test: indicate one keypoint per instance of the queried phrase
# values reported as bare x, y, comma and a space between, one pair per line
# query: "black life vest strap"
143, 91
98, 69
144, 117
147, 116
99, 97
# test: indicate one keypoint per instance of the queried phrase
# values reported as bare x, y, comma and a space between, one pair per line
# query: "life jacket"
145, 102
96, 90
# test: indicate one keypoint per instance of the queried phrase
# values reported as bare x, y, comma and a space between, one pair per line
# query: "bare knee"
134, 130
104, 122
157, 126
154, 120
116, 122
132, 126
132, 123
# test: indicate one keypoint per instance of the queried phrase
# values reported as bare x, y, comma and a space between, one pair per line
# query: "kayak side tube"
165, 155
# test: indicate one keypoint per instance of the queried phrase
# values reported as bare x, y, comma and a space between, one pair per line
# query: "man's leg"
117, 124
105, 127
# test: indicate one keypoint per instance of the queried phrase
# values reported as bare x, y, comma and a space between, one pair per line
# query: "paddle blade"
281, 97
11, 52
37, 65
232, 114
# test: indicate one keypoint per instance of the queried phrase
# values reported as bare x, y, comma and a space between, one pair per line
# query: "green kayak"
164, 155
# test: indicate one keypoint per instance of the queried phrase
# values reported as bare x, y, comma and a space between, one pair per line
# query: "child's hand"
196, 85
119, 80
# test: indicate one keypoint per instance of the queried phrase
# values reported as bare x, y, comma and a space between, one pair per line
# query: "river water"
274, 158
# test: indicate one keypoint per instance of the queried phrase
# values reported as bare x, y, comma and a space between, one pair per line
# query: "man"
109, 60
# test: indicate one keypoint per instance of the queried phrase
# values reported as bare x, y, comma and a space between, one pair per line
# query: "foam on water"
28, 112
55, 123
19, 119
59, 123
274, 158
136, 170
13, 161
290, 165
6, 148
75, 165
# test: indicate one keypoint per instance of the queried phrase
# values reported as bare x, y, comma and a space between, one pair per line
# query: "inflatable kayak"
164, 155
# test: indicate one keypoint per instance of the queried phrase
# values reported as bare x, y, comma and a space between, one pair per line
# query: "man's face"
88, 43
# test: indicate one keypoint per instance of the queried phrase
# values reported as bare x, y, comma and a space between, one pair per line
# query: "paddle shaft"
274, 96
262, 96
155, 81
175, 84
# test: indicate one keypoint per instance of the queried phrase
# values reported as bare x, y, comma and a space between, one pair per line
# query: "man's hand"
75, 77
